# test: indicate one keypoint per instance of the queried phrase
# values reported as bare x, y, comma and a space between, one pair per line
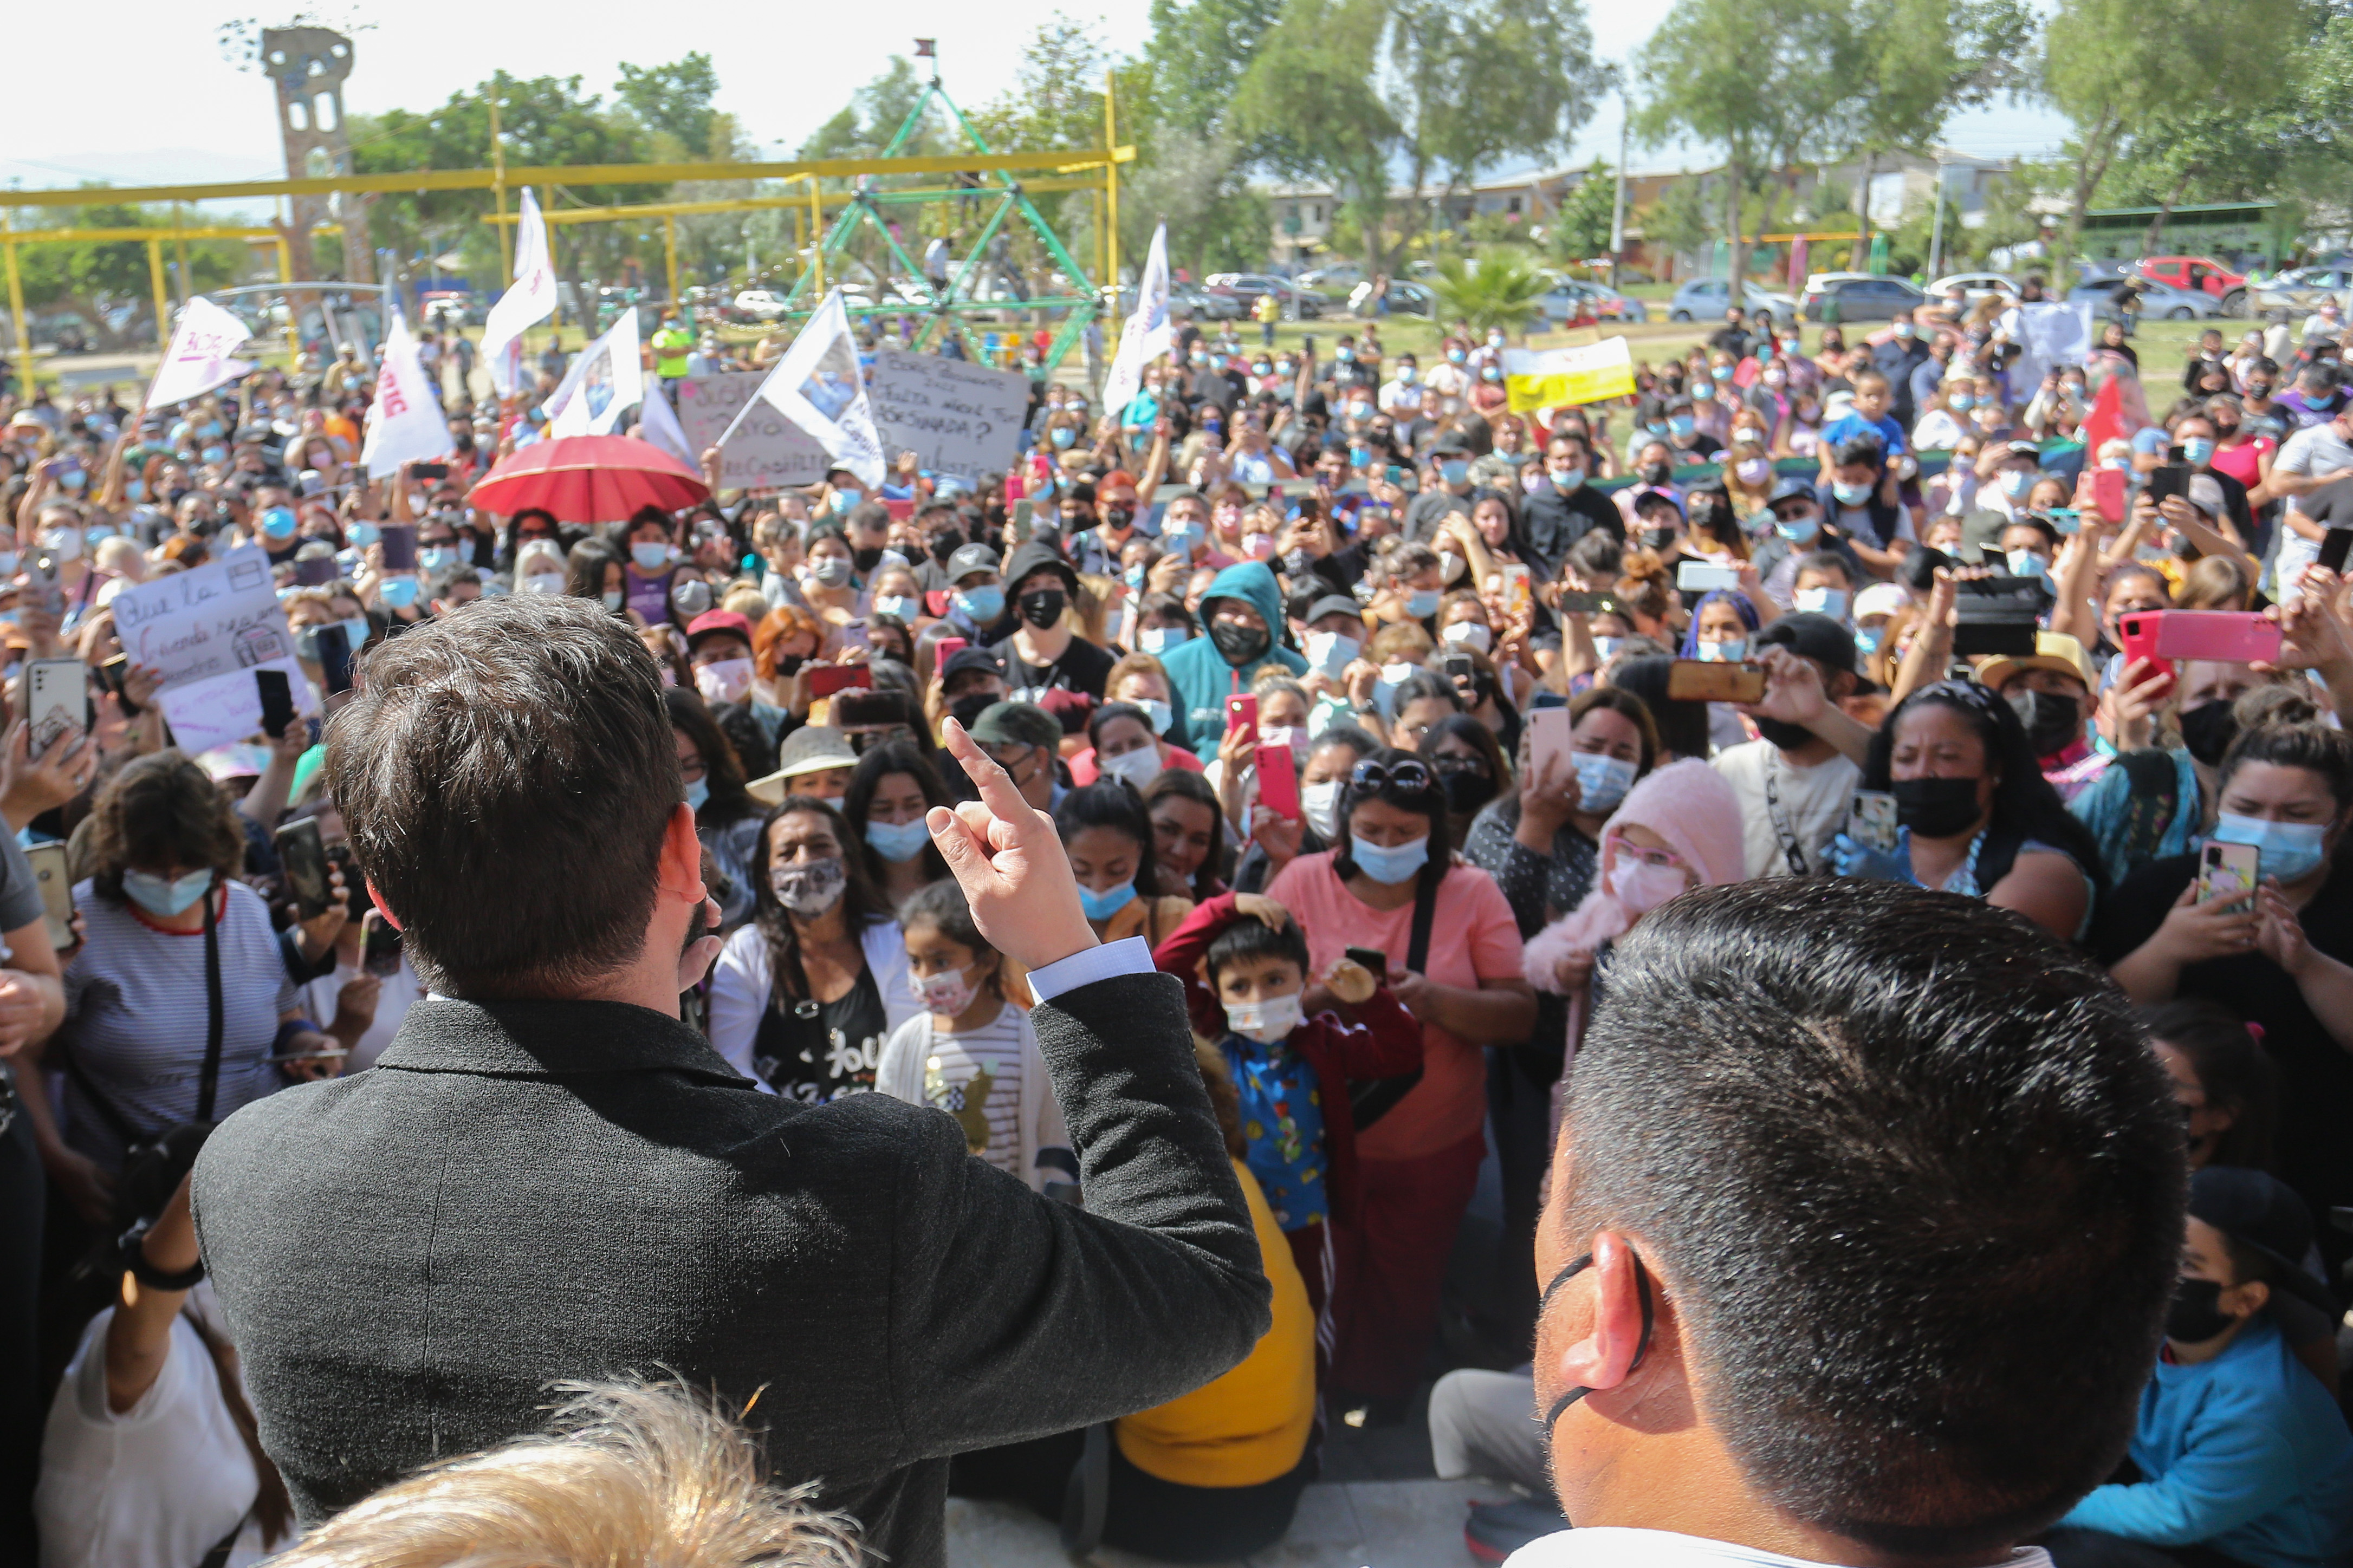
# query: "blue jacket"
2246, 1453
1199, 673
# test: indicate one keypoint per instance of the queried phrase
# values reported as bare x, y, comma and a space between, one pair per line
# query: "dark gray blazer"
524, 1192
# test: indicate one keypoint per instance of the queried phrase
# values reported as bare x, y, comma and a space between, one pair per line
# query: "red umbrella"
589, 479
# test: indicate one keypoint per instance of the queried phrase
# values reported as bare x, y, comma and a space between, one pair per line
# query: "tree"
1199, 52
2112, 65
873, 115
1764, 79
1191, 154
1581, 228
1304, 102
673, 100
1684, 221
1500, 292
108, 283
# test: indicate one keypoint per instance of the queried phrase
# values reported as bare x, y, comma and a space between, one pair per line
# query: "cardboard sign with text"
958, 418
207, 630
768, 451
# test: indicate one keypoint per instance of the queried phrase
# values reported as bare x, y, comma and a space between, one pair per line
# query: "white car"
1975, 285
761, 303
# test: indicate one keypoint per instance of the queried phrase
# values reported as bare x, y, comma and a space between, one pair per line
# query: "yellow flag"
1558, 377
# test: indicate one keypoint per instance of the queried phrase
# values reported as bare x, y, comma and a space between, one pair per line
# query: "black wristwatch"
131, 1252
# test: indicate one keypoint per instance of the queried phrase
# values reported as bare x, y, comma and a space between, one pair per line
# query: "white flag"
404, 423
530, 297
1146, 335
659, 427
198, 359
817, 387
605, 382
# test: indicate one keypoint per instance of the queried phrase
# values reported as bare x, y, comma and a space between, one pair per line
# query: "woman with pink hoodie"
1678, 829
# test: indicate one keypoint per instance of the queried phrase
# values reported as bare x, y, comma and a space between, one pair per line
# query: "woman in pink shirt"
1393, 874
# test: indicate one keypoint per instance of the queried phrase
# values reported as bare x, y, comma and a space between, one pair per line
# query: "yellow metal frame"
11, 237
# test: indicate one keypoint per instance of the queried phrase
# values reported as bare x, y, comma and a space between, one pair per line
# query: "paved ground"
1340, 1524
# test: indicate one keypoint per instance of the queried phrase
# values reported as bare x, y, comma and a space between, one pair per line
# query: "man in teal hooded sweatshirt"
1243, 612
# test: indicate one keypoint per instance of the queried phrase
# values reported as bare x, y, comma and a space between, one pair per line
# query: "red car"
2199, 275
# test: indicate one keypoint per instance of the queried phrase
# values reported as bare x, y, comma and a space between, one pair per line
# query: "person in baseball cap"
2242, 1452
1795, 787
718, 647
1026, 742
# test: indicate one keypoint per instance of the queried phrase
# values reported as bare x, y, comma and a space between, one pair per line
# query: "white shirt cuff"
1129, 955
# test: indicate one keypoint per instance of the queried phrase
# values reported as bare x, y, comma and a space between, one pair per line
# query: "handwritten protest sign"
957, 416
207, 631
767, 451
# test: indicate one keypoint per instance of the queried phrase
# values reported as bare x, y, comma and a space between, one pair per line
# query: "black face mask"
1657, 474
1658, 538
867, 560
1118, 518
1467, 789
2208, 730
1781, 734
2052, 724
1043, 607
968, 708
1239, 644
2195, 1315
946, 543
1936, 809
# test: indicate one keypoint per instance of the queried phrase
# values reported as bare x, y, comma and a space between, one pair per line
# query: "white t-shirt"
1781, 801
2318, 451
954, 1086
400, 991
155, 1486
1616, 1546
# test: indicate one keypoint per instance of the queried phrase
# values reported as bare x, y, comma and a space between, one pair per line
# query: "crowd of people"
1384, 716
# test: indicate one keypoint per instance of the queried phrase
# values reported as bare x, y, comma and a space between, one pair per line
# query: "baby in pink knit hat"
1676, 830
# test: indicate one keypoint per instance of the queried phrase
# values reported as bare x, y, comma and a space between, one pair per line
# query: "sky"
159, 103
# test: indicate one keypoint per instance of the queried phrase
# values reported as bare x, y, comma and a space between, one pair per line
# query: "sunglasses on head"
1406, 776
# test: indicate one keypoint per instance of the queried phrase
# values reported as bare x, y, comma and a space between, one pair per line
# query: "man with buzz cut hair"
547, 1176
1865, 1219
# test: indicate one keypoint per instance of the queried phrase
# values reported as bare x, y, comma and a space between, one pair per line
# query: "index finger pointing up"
996, 788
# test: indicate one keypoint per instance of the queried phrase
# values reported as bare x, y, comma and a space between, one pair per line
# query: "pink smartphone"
2235, 637
1549, 729
2140, 631
1277, 781
1241, 713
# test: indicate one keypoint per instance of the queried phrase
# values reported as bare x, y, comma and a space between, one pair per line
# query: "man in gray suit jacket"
548, 1177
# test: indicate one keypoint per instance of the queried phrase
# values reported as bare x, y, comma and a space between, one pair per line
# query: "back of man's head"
506, 776
1913, 1180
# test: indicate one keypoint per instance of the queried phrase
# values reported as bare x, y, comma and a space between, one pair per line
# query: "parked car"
1975, 286
2159, 302
2199, 275
1704, 299
1192, 300
1562, 303
1860, 297
1298, 304
1406, 298
1340, 274
2301, 290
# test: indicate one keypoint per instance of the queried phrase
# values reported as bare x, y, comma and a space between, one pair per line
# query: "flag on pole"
1146, 335
198, 359
659, 427
1560, 378
530, 297
605, 382
405, 424
817, 387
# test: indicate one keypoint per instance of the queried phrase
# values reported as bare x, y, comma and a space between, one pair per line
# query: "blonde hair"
632, 1474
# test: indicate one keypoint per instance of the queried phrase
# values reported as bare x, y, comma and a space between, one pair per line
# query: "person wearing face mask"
1897, 358
1793, 785
2241, 1455
652, 561
2051, 689
1391, 885
803, 997
726, 818
1800, 530
1687, 444
165, 911
1565, 507
1122, 744
2275, 957
1974, 814
1042, 653
1240, 613
1445, 489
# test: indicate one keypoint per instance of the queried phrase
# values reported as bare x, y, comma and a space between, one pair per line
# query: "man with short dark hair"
1865, 1212
1565, 507
548, 1177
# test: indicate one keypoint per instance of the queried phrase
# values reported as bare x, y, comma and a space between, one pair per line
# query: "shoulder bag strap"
207, 1089
1425, 913
1369, 1099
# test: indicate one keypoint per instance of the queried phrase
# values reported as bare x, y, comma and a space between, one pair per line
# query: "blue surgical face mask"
435, 558
898, 841
163, 898
1606, 648
981, 606
1798, 530
399, 593
1454, 471
614, 599
215, 453
1830, 602
1730, 651
1601, 781
697, 792
2026, 563
1062, 436
1158, 640
1866, 639
2285, 850
1960, 401
1102, 905
2016, 482
355, 633
1332, 652
2197, 451
134, 489
1423, 604
278, 521
1389, 864
649, 556
897, 604
98, 536
363, 534
1680, 425
1850, 495
1181, 537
